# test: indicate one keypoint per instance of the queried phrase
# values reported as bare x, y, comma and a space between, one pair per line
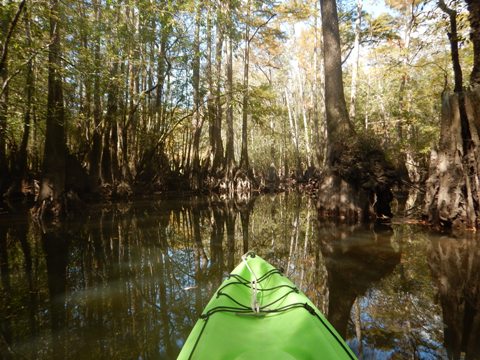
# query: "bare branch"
446, 9
260, 26
137, 104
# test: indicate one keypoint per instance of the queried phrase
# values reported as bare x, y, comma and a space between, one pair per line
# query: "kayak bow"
258, 313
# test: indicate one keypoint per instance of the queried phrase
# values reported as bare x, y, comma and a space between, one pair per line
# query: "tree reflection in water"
455, 266
55, 243
355, 260
130, 280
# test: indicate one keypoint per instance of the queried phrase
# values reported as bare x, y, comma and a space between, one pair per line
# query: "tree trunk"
244, 162
292, 122
211, 100
129, 119
317, 91
96, 151
453, 189
162, 69
356, 58
4, 27
110, 137
53, 173
305, 124
218, 159
356, 184
195, 180
29, 89
229, 151
474, 9
130, 116
404, 94
458, 75
209, 75
338, 123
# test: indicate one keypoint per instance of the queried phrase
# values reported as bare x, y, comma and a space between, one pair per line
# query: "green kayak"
257, 313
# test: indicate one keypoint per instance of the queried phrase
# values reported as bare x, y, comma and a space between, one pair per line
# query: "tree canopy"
165, 94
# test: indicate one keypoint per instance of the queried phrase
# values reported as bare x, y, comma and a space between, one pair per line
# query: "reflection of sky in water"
137, 279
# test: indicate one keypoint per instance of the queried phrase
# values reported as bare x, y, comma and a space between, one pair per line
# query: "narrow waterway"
128, 281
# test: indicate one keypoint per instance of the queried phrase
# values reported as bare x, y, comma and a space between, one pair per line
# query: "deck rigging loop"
254, 284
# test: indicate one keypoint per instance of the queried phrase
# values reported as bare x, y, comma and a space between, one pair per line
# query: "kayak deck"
258, 313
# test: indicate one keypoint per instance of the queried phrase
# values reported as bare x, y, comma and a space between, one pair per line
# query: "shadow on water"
130, 280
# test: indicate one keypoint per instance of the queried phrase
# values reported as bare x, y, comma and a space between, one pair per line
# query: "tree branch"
453, 37
137, 104
11, 29
260, 26
4, 86
446, 9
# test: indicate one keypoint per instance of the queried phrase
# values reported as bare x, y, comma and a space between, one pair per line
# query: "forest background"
108, 98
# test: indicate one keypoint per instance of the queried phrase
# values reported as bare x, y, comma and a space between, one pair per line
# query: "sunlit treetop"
403, 5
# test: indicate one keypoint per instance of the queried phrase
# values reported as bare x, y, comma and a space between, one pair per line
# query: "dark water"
129, 281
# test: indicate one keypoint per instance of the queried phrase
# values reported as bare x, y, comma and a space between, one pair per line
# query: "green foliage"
142, 49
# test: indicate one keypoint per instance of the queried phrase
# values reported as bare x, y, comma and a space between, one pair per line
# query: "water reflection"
455, 267
5, 320
130, 280
55, 243
355, 260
